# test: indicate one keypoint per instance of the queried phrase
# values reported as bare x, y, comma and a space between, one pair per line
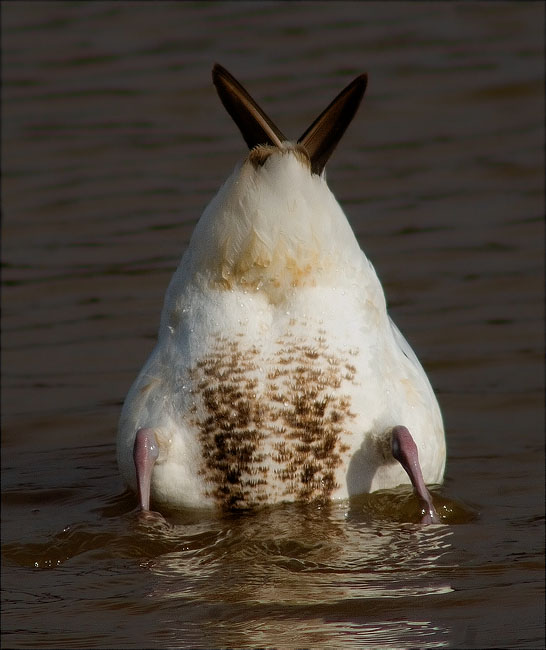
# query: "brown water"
113, 141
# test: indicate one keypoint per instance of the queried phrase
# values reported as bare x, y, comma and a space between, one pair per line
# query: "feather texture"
277, 374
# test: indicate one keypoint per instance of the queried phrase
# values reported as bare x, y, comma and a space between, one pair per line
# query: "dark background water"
113, 141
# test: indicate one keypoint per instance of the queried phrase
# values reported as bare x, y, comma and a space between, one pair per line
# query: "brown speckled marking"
276, 433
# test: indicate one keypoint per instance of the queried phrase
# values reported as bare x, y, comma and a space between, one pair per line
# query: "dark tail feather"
322, 136
319, 140
253, 123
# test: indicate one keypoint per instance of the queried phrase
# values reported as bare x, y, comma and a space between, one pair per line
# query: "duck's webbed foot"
145, 453
404, 450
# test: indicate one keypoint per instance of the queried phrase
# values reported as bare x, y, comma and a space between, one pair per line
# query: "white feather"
275, 314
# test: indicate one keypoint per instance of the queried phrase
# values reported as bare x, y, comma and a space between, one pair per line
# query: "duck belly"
264, 403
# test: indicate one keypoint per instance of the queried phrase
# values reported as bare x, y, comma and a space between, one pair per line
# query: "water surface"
113, 141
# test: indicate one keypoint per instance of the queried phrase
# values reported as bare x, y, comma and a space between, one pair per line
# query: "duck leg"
145, 453
404, 450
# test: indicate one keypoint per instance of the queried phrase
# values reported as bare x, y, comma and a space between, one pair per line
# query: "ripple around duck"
286, 540
291, 538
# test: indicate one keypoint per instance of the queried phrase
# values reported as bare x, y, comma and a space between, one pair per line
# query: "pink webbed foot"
404, 450
145, 453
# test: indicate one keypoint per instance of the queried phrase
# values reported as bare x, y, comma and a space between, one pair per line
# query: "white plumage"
277, 373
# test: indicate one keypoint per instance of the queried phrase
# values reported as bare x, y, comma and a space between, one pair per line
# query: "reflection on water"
282, 573
292, 563
292, 557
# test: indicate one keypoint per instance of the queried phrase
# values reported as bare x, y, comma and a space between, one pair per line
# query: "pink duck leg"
145, 453
404, 450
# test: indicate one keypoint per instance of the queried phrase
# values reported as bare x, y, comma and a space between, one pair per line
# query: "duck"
278, 375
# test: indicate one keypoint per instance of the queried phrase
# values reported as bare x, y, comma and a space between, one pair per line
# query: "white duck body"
278, 374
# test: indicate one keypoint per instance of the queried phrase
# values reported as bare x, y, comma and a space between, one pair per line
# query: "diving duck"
278, 374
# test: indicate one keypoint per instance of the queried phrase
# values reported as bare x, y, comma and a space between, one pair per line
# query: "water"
113, 141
